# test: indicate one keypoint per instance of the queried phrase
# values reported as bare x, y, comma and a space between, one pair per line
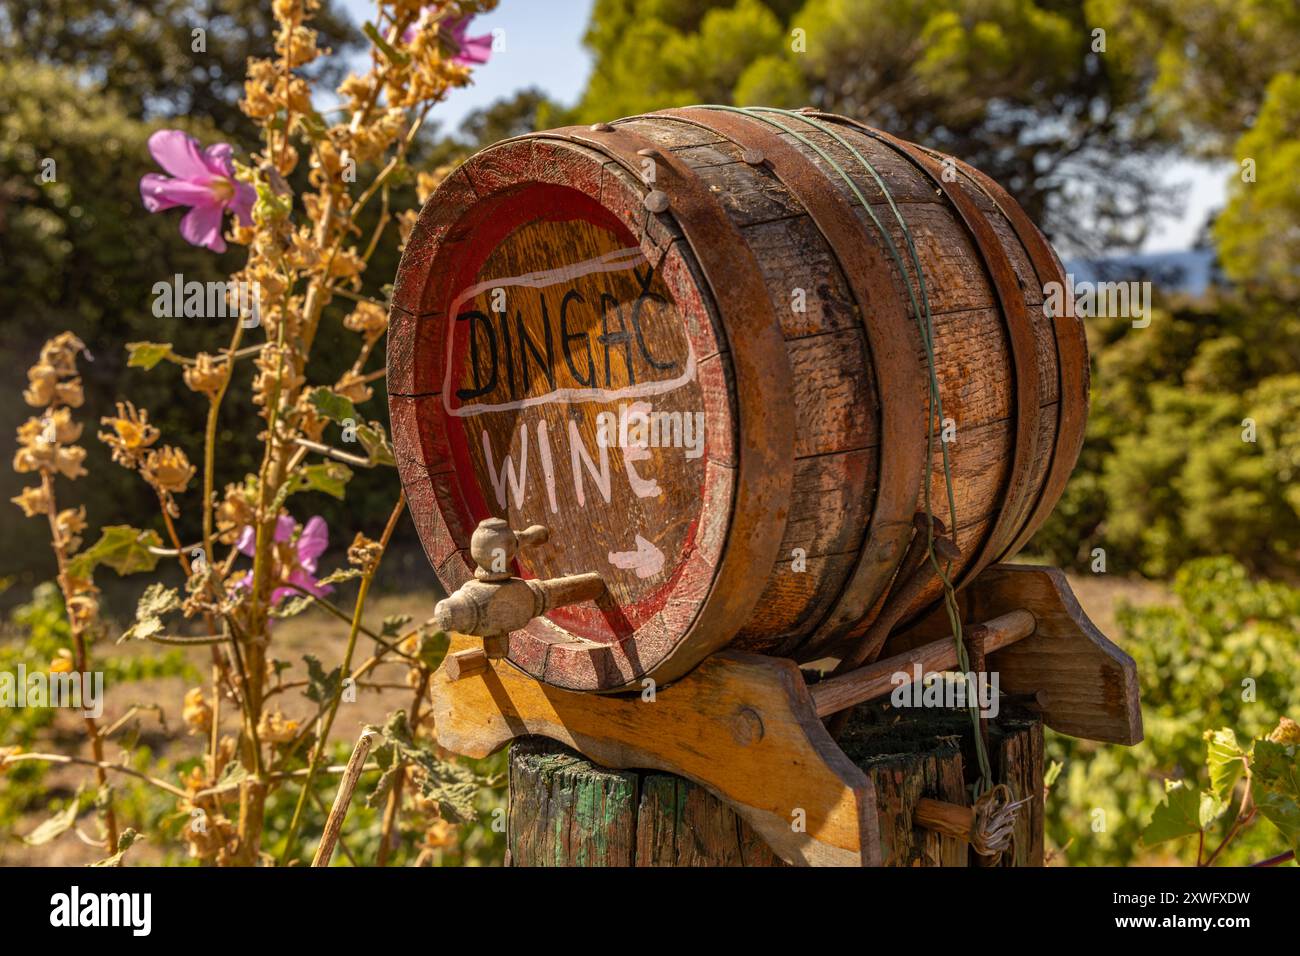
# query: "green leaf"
233, 772
330, 477
374, 440
340, 575
1275, 771
451, 784
1052, 773
292, 607
125, 840
390, 53
1276, 767
332, 405
1225, 760
321, 687
1179, 815
148, 354
56, 825
434, 645
122, 548
156, 602
1284, 813
385, 784
393, 624
270, 205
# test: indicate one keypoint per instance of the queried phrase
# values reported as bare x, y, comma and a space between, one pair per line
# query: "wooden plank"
1018, 762
900, 783
566, 812
681, 824
1090, 684
739, 724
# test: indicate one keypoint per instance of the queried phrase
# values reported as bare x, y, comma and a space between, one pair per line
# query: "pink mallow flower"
470, 51
203, 179
295, 556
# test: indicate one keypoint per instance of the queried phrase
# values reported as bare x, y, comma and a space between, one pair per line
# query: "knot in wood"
747, 727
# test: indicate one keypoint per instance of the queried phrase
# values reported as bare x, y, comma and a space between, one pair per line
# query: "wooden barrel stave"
836, 405
950, 263
837, 452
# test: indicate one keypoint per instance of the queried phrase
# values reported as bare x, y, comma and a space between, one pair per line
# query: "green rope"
925, 324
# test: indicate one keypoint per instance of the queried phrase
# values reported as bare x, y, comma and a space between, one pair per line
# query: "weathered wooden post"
743, 370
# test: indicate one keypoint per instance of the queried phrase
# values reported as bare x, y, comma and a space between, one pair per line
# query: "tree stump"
567, 811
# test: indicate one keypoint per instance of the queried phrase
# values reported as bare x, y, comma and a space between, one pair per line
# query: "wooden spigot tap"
495, 602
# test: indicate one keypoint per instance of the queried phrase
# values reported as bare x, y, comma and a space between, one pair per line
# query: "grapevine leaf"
1178, 815
1275, 769
1225, 760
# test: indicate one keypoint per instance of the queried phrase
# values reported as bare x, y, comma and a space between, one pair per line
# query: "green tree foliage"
1017, 87
1259, 230
145, 50
1223, 656
1193, 446
1228, 82
79, 251
1214, 60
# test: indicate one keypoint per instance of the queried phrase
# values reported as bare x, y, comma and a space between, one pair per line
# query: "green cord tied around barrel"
925, 324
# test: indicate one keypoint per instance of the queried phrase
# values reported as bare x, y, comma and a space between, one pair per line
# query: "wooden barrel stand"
567, 811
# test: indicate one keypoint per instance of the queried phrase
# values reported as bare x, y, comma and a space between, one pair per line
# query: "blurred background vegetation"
1079, 126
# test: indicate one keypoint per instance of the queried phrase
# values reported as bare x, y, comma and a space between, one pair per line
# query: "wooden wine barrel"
693, 345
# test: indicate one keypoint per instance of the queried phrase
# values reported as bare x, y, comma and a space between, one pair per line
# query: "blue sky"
543, 48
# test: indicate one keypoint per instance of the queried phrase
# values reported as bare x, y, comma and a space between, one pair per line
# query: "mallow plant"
257, 554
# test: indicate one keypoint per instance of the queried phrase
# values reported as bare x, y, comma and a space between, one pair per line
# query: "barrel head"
553, 359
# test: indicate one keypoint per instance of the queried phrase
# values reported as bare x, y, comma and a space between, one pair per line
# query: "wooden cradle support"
741, 725
749, 728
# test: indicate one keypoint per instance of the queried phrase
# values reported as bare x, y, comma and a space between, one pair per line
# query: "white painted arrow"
646, 560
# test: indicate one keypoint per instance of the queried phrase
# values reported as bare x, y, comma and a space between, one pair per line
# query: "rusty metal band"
761, 366
1071, 352
891, 349
1024, 346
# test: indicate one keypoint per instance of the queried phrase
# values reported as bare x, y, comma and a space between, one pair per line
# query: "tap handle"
494, 547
